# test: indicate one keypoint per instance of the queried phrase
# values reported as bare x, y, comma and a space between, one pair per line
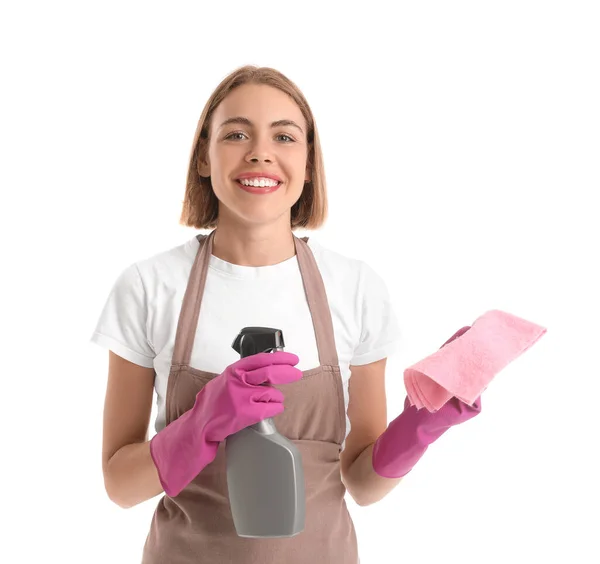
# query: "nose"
258, 159
259, 153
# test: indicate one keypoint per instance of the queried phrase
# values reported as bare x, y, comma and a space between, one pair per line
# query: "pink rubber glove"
227, 404
408, 437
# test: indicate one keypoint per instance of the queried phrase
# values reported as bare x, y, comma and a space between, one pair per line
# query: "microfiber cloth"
465, 366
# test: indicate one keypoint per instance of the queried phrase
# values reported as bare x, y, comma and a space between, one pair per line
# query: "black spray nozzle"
254, 340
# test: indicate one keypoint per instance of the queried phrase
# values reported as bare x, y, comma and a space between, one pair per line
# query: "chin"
257, 209
259, 216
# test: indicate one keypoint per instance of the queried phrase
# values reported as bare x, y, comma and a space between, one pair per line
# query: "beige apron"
196, 526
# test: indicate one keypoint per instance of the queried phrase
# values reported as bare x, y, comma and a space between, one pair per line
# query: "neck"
254, 245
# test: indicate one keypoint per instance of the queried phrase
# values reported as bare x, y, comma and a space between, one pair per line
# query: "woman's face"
257, 132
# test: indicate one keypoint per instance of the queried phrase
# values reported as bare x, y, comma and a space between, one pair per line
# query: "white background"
461, 144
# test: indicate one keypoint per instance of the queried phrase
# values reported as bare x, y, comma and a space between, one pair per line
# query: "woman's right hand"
240, 396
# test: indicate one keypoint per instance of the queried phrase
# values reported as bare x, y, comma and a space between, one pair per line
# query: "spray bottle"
265, 477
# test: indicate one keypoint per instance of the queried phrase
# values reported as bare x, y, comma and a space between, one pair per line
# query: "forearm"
131, 476
363, 483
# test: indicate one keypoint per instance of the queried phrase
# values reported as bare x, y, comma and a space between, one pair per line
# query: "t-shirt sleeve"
380, 332
122, 326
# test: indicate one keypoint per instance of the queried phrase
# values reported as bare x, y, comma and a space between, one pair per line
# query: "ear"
204, 168
308, 174
203, 162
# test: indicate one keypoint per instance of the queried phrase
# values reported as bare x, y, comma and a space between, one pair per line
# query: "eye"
231, 135
290, 139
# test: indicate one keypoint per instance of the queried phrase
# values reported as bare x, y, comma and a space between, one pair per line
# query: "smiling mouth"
259, 187
259, 182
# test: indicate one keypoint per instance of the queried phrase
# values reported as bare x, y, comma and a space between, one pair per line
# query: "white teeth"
260, 182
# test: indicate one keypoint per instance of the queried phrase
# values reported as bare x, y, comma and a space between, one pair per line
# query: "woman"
255, 175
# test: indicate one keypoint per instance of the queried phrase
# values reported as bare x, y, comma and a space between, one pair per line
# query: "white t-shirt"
139, 320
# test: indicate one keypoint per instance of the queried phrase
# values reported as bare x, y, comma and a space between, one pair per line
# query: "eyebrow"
246, 121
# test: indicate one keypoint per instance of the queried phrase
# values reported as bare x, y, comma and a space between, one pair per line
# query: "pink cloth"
465, 367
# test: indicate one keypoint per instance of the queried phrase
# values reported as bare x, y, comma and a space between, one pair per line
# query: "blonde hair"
201, 206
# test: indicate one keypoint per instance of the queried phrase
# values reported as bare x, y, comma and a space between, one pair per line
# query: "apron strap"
192, 299
318, 304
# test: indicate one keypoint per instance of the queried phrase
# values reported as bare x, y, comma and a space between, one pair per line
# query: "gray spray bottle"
265, 478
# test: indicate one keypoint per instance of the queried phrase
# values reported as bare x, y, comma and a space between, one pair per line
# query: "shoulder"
349, 272
330, 259
169, 264
147, 278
